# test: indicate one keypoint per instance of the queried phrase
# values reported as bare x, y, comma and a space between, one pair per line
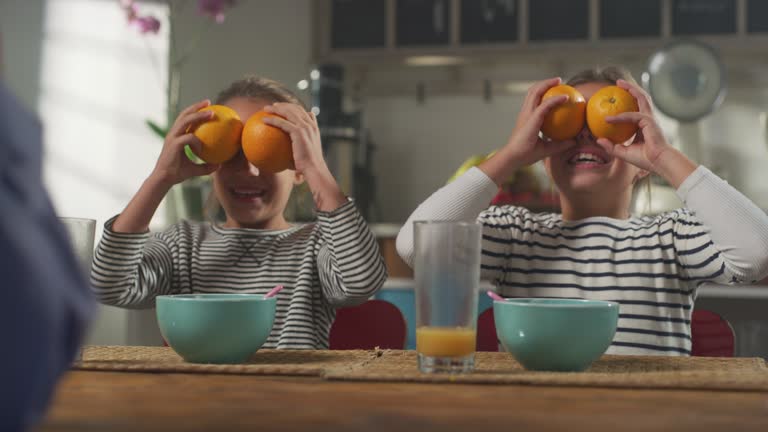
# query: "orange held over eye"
611, 101
566, 120
220, 135
267, 147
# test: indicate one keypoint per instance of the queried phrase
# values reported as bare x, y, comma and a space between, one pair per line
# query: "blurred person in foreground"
44, 292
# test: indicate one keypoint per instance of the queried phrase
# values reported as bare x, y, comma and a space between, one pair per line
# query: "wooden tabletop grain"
111, 401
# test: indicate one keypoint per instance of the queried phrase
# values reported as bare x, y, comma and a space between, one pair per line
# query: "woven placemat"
702, 373
264, 362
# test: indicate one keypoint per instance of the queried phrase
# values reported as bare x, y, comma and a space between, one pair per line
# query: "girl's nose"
585, 134
240, 163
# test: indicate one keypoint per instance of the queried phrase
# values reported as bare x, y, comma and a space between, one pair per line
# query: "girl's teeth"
247, 193
587, 157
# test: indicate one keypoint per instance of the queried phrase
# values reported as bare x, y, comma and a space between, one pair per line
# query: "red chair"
375, 323
486, 332
711, 335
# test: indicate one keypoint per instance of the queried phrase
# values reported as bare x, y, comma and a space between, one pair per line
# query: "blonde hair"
609, 75
258, 89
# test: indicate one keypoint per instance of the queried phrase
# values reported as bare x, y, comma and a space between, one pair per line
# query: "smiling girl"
596, 249
331, 263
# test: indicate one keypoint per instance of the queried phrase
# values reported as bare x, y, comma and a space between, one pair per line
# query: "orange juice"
445, 341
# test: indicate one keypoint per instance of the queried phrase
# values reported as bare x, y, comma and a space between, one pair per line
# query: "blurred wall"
271, 38
21, 32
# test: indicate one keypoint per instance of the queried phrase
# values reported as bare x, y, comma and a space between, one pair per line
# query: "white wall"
264, 37
98, 84
421, 145
21, 32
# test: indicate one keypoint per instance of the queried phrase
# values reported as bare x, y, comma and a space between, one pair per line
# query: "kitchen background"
429, 78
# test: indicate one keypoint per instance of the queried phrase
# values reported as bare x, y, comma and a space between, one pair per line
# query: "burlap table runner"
704, 373
264, 362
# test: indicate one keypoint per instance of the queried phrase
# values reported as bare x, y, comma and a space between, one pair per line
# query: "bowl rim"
543, 302
215, 297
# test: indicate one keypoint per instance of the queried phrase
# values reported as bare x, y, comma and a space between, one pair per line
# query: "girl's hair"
258, 89
609, 75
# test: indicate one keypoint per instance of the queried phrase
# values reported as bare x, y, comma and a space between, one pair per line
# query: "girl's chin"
584, 184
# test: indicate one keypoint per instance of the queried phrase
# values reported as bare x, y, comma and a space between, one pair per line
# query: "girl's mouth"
587, 159
248, 194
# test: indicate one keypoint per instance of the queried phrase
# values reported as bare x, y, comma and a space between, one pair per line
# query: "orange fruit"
611, 101
220, 135
265, 146
566, 120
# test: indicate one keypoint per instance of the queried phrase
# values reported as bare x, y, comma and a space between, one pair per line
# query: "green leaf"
159, 131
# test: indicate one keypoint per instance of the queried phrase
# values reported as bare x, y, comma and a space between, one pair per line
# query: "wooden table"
109, 401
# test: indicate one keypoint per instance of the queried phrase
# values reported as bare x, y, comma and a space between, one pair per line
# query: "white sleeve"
737, 227
461, 200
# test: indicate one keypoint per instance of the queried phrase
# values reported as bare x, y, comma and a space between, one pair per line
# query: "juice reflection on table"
445, 341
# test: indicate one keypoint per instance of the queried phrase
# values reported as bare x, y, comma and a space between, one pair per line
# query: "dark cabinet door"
358, 23
423, 22
757, 16
691, 17
558, 19
630, 18
489, 21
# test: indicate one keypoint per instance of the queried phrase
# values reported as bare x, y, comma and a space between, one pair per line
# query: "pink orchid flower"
214, 8
146, 24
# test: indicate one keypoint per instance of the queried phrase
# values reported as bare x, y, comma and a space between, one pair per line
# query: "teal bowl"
555, 334
215, 328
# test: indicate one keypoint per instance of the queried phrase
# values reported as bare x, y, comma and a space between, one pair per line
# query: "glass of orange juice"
447, 275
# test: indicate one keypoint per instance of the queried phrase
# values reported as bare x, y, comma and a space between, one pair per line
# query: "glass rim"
215, 297
549, 302
445, 222
76, 219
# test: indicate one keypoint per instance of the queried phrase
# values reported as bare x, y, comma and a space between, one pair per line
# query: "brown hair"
609, 75
259, 88
256, 88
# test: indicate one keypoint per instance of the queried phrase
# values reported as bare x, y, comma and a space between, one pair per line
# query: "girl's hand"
307, 153
525, 146
649, 145
172, 165
305, 135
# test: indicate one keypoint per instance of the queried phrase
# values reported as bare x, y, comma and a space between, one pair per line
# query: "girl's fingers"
195, 107
545, 107
643, 99
533, 97
189, 121
314, 120
292, 112
188, 139
287, 126
606, 144
627, 117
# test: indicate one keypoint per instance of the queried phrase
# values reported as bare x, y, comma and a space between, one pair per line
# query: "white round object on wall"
686, 80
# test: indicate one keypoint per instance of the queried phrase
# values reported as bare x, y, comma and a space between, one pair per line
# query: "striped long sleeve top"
651, 266
332, 263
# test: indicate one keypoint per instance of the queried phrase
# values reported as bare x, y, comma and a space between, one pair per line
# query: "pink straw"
494, 296
273, 292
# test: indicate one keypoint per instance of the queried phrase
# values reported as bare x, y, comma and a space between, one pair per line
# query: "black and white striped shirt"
650, 265
334, 262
